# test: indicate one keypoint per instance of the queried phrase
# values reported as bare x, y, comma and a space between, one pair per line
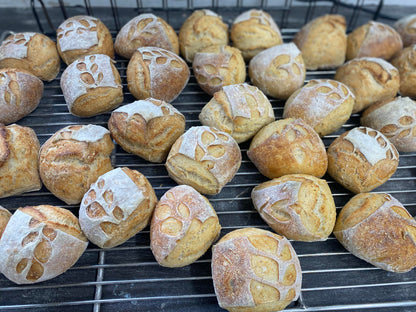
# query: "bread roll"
254, 31
323, 42
83, 35
406, 27
147, 128
362, 159
4, 219
218, 66
396, 119
33, 52
40, 243
20, 94
157, 73
145, 30
278, 71
255, 270
200, 30
239, 110
73, 158
373, 39
324, 104
378, 229
288, 146
184, 226
405, 62
116, 207
370, 79
204, 158
297, 206
19, 153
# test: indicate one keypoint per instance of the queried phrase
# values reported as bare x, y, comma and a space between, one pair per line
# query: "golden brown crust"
4, 219
405, 62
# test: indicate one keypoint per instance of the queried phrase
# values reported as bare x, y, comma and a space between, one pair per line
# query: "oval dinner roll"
73, 158
204, 158
324, 104
255, 270
370, 79
278, 71
240, 110
147, 128
297, 206
83, 35
157, 73
184, 226
40, 243
362, 159
33, 52
323, 42
405, 62
4, 219
254, 31
20, 94
116, 207
200, 30
145, 30
218, 66
288, 146
406, 27
377, 228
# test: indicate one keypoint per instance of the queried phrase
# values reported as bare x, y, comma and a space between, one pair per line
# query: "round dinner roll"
20, 94
183, 227
255, 270
200, 30
370, 79
157, 73
4, 219
406, 27
33, 52
377, 228
324, 104
147, 128
204, 158
91, 85
288, 146
145, 30
218, 66
362, 159
373, 39
254, 31
323, 42
40, 243
19, 160
405, 62
278, 71
396, 119
297, 206
73, 158
116, 207
239, 110
83, 35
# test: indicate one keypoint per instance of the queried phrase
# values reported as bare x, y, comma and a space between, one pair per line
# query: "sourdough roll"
147, 128
323, 42
204, 158
254, 31
40, 243
73, 158
4, 219
362, 159
297, 206
255, 270
83, 35
218, 66
91, 85
405, 62
19, 160
278, 71
406, 27
377, 228
145, 30
116, 207
239, 110
183, 227
33, 52
288, 146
